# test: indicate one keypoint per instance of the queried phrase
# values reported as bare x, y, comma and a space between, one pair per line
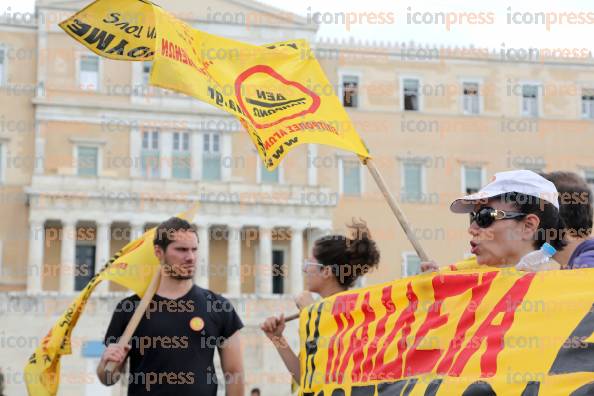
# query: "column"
39, 165
102, 242
35, 263
201, 275
67, 256
264, 264
136, 230
312, 169
234, 260
226, 152
135, 152
296, 260
197, 143
166, 154
311, 234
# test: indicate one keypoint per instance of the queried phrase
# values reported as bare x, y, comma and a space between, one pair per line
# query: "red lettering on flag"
493, 334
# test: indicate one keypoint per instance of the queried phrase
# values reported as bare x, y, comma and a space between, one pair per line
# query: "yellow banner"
132, 267
472, 332
278, 92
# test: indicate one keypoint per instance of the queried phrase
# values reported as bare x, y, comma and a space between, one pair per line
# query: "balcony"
232, 192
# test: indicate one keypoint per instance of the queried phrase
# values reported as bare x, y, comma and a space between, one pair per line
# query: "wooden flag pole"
396, 209
136, 317
397, 212
291, 317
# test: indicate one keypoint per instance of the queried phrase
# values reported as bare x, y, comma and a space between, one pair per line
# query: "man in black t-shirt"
172, 350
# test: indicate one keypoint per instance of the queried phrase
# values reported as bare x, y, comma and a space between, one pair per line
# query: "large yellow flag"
279, 92
132, 267
482, 331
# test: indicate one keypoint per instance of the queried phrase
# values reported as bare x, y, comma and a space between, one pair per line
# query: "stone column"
234, 260
35, 262
201, 275
102, 245
136, 230
68, 256
296, 260
264, 264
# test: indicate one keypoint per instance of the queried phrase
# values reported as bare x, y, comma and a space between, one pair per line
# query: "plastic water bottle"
536, 260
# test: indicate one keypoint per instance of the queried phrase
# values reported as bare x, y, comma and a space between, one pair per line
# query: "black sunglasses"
486, 216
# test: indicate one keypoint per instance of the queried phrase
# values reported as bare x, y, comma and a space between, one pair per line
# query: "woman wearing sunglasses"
513, 215
337, 262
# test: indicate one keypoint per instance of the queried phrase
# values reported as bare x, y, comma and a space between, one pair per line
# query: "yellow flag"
132, 267
471, 332
278, 92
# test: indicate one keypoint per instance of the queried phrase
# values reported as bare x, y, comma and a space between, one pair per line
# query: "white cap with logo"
520, 181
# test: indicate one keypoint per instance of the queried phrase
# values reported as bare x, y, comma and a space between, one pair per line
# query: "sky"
496, 25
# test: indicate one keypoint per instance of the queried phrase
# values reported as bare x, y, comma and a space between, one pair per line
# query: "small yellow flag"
279, 91
132, 267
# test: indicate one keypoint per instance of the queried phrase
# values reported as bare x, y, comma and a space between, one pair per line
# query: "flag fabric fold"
278, 92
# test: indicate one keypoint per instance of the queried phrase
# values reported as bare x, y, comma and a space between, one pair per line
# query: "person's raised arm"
273, 327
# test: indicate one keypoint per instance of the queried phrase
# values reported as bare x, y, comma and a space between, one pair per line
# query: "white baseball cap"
520, 181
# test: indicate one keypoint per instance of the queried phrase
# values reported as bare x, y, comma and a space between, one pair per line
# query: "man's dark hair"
255, 391
165, 231
551, 228
575, 202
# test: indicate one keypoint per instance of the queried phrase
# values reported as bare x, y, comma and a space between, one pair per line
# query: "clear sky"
570, 26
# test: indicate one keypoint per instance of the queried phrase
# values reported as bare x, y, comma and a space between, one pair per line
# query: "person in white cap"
513, 215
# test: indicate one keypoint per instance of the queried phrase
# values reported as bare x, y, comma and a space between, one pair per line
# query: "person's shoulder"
128, 304
584, 255
133, 298
208, 294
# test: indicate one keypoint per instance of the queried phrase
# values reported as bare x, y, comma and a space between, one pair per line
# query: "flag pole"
395, 208
381, 183
136, 317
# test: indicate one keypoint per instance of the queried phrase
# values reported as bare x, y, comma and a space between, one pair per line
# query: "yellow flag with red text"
132, 267
470, 332
278, 92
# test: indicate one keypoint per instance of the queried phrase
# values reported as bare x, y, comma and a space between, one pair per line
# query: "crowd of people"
514, 215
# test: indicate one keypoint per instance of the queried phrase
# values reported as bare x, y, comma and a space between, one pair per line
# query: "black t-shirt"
173, 347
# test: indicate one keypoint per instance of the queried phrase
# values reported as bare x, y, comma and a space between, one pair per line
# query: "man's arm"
116, 353
232, 364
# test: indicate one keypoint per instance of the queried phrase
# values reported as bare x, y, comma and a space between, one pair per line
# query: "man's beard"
173, 274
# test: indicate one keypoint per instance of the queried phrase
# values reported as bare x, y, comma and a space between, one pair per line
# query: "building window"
530, 100
470, 98
2, 65
412, 182
181, 158
588, 103
351, 177
589, 176
149, 155
279, 271
472, 179
411, 265
410, 93
89, 72
85, 266
87, 161
211, 158
350, 91
269, 177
